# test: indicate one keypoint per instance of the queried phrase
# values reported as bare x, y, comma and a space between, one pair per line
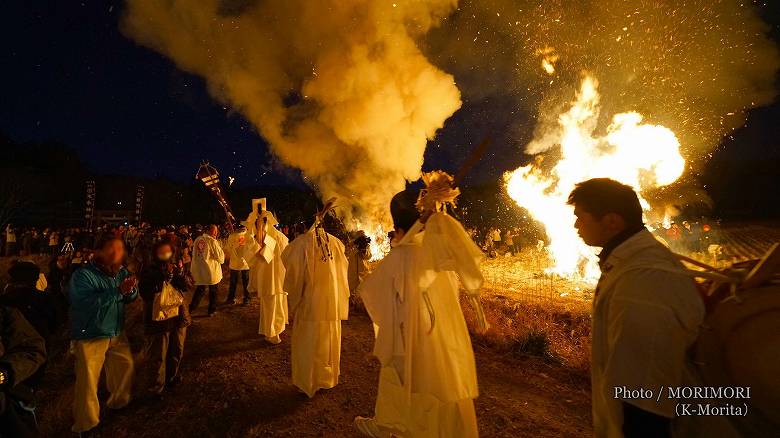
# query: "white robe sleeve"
281, 240
449, 247
378, 295
269, 249
342, 282
250, 249
294, 260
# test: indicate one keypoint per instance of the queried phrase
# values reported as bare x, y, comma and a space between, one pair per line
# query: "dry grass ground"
533, 366
237, 385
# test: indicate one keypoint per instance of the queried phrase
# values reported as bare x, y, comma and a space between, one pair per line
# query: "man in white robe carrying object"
318, 296
646, 315
263, 250
428, 379
206, 269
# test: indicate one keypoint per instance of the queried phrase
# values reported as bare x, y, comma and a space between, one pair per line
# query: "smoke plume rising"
339, 88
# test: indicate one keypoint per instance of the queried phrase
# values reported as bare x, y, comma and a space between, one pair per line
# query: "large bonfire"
641, 155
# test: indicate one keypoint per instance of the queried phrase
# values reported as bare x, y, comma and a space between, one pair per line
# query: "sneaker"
276, 340
212, 313
246, 302
230, 302
367, 427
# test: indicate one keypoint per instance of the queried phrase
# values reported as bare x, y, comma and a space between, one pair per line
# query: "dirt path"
237, 385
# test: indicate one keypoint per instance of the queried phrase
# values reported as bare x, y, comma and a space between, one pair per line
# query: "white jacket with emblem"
207, 259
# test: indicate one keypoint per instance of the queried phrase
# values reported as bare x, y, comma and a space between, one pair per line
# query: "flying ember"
641, 155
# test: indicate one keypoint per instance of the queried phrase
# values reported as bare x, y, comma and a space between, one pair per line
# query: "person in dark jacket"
22, 352
165, 338
60, 271
98, 294
37, 307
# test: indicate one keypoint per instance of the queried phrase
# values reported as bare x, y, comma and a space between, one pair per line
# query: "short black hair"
23, 271
599, 196
403, 209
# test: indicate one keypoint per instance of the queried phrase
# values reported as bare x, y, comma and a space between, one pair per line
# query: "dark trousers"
165, 352
234, 274
14, 420
198, 296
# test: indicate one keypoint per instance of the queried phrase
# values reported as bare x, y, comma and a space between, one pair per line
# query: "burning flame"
549, 58
380, 244
637, 154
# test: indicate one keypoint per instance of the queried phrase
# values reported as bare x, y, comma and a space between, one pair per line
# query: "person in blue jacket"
98, 294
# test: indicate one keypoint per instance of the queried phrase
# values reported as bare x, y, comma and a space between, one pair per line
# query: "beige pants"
90, 356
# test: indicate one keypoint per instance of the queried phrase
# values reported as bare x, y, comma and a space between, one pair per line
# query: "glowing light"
634, 153
549, 58
380, 244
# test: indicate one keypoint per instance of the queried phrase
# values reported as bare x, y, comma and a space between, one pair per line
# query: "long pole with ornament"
210, 178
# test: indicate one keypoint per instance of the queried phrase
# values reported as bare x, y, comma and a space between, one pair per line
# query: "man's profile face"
592, 230
113, 253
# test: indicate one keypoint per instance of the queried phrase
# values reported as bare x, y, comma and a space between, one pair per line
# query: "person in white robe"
262, 250
318, 296
428, 378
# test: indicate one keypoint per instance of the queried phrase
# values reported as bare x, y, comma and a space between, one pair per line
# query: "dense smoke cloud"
694, 67
339, 88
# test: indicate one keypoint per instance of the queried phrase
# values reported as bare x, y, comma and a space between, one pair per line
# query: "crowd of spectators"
140, 260
92, 274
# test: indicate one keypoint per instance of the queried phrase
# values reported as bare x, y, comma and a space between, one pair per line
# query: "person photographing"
98, 295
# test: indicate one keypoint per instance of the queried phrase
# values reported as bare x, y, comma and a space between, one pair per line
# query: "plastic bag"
166, 303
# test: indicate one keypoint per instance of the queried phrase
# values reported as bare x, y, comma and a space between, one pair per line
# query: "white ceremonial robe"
207, 259
358, 267
266, 277
428, 378
646, 315
318, 295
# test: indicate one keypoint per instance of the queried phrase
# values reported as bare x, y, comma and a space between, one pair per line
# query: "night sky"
70, 76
